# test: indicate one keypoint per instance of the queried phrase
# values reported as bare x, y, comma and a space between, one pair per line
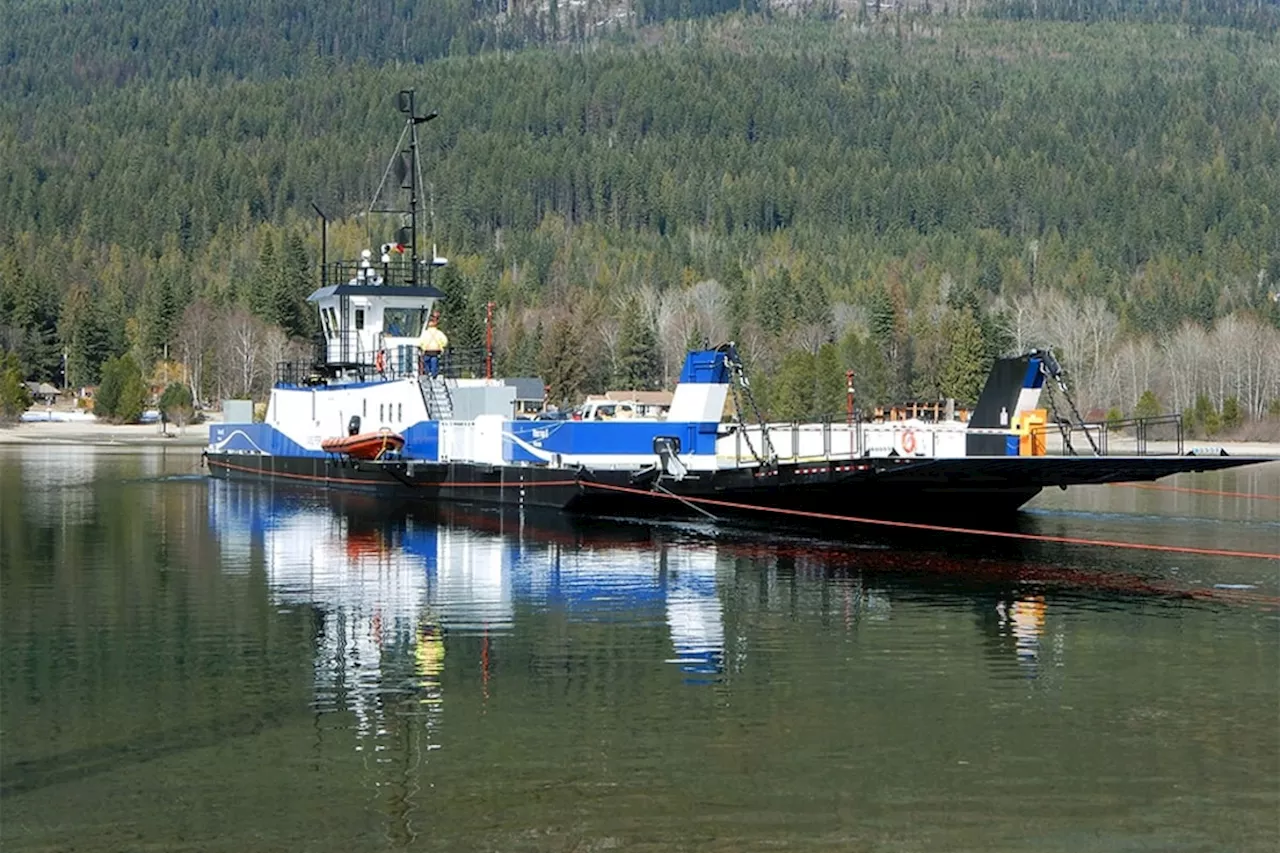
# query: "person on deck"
432, 343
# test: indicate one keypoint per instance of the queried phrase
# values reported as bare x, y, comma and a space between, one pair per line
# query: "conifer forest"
904, 190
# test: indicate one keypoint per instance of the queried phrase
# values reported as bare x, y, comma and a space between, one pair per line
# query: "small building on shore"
42, 393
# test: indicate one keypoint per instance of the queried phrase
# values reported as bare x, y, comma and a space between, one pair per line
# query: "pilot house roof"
375, 290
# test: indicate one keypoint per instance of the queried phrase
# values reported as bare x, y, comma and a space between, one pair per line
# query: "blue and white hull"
689, 464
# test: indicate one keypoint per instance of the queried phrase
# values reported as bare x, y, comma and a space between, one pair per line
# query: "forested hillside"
901, 195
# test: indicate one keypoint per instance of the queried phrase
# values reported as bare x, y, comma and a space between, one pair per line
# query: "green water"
189, 665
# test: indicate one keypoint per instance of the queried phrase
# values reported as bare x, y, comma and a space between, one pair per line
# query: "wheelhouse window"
403, 322
359, 319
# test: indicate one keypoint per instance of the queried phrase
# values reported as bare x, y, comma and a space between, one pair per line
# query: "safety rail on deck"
1109, 436
396, 273
826, 440
394, 363
794, 442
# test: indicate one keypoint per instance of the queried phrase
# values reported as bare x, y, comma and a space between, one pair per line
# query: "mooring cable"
940, 528
1161, 487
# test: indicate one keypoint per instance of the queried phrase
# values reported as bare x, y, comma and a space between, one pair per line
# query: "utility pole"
848, 380
848, 384
488, 340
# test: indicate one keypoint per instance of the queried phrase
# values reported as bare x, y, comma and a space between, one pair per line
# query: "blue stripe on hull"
256, 438
530, 441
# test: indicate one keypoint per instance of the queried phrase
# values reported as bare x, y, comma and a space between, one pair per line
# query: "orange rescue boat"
366, 445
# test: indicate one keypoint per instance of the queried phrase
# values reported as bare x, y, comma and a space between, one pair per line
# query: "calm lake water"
191, 665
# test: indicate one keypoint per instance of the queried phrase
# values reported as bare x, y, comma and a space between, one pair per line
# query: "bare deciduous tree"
1185, 356
709, 303
240, 338
194, 338
676, 325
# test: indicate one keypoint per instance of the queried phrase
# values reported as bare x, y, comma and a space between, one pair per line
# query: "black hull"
429, 482
937, 491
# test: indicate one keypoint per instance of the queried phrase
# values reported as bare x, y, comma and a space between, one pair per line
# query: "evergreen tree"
884, 319
870, 373
811, 303
458, 315
638, 367
295, 315
14, 396
562, 365
775, 301
264, 288
31, 326
83, 336
829, 384
1232, 416
122, 394
1148, 406
791, 390
177, 404
158, 315
108, 396
966, 366
1204, 417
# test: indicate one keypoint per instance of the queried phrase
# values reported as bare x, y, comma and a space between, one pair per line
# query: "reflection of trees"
131, 642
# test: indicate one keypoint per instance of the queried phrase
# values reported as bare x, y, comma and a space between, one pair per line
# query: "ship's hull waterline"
929, 490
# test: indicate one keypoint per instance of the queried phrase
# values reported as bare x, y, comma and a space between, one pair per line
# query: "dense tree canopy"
908, 190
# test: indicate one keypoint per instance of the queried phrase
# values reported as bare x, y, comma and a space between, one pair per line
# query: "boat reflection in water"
389, 584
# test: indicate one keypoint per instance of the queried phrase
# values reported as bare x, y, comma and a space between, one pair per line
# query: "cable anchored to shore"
1160, 487
940, 528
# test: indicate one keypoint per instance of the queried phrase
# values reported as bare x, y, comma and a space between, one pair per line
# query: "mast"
407, 105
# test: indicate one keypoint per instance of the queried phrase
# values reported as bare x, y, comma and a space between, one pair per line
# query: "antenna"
407, 171
324, 244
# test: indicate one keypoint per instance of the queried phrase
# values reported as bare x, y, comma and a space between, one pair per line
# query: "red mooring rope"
1163, 488
913, 525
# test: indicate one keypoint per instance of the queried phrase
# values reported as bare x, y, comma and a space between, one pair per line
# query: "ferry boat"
368, 413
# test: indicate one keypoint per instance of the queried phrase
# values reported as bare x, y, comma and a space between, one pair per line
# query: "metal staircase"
436, 394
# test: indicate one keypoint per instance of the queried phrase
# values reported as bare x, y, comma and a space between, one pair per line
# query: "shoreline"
91, 434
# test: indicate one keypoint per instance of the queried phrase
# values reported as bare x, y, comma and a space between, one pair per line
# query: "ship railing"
333, 360
836, 440
1158, 435
792, 442
464, 363
298, 373
398, 273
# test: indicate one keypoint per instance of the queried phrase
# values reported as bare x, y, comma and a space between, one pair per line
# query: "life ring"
380, 361
909, 441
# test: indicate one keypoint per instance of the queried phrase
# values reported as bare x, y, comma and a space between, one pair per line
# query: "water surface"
197, 665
